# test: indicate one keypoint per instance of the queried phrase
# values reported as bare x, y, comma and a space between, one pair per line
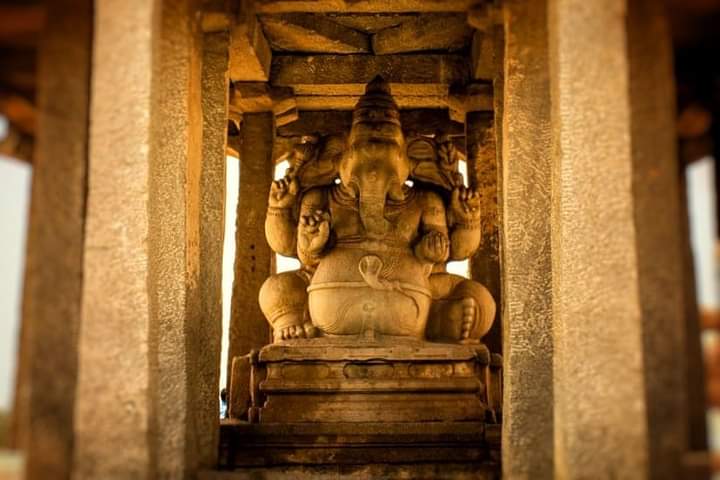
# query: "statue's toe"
311, 330
469, 317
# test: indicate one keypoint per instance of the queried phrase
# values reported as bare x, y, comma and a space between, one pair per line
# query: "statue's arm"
465, 233
313, 228
280, 223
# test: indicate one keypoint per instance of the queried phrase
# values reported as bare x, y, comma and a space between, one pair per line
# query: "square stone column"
149, 339
593, 339
47, 373
253, 258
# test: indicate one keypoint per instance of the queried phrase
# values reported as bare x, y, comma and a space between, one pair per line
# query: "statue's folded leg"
283, 301
462, 310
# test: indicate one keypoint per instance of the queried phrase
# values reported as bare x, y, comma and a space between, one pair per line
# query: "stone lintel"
348, 102
371, 22
408, 75
302, 32
328, 122
446, 31
362, 6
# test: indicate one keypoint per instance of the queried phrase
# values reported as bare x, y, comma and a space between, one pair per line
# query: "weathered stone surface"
475, 97
429, 74
600, 417
348, 102
301, 32
655, 187
527, 276
362, 6
484, 175
45, 397
330, 122
370, 22
141, 313
245, 444
447, 31
248, 329
433, 470
482, 53
250, 53
215, 89
358, 380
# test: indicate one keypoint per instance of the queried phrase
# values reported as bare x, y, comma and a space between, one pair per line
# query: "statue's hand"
314, 232
465, 205
283, 193
433, 247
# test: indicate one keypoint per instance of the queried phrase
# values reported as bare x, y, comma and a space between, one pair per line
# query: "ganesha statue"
373, 219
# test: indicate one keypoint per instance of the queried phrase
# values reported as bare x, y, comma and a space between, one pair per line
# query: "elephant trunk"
373, 196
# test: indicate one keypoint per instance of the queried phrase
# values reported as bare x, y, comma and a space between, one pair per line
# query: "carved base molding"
245, 444
363, 400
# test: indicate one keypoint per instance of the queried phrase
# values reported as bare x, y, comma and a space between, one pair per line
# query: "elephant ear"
319, 167
427, 165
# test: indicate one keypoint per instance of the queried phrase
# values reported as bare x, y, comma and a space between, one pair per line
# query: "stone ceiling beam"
302, 32
415, 75
421, 121
348, 102
250, 53
362, 6
371, 22
258, 97
445, 31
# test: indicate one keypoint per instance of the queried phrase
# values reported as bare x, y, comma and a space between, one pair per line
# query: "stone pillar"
147, 357
659, 239
592, 320
253, 257
527, 324
483, 174
215, 92
47, 374
599, 379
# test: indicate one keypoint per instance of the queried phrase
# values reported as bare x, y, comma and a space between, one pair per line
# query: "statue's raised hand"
283, 193
314, 232
465, 205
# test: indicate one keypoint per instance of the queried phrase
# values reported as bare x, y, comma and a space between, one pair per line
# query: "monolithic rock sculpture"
373, 245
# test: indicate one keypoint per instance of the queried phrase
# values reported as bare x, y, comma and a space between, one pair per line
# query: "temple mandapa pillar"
147, 389
591, 320
253, 257
45, 396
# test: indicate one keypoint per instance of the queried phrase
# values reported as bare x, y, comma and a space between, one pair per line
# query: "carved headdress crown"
377, 104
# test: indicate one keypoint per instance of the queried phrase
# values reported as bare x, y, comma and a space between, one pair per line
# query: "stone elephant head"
375, 166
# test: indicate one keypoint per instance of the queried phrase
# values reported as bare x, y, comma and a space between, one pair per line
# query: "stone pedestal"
360, 399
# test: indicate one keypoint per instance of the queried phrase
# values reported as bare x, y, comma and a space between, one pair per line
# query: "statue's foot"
469, 317
307, 330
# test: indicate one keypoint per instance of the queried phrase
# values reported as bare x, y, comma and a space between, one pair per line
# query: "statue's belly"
356, 289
